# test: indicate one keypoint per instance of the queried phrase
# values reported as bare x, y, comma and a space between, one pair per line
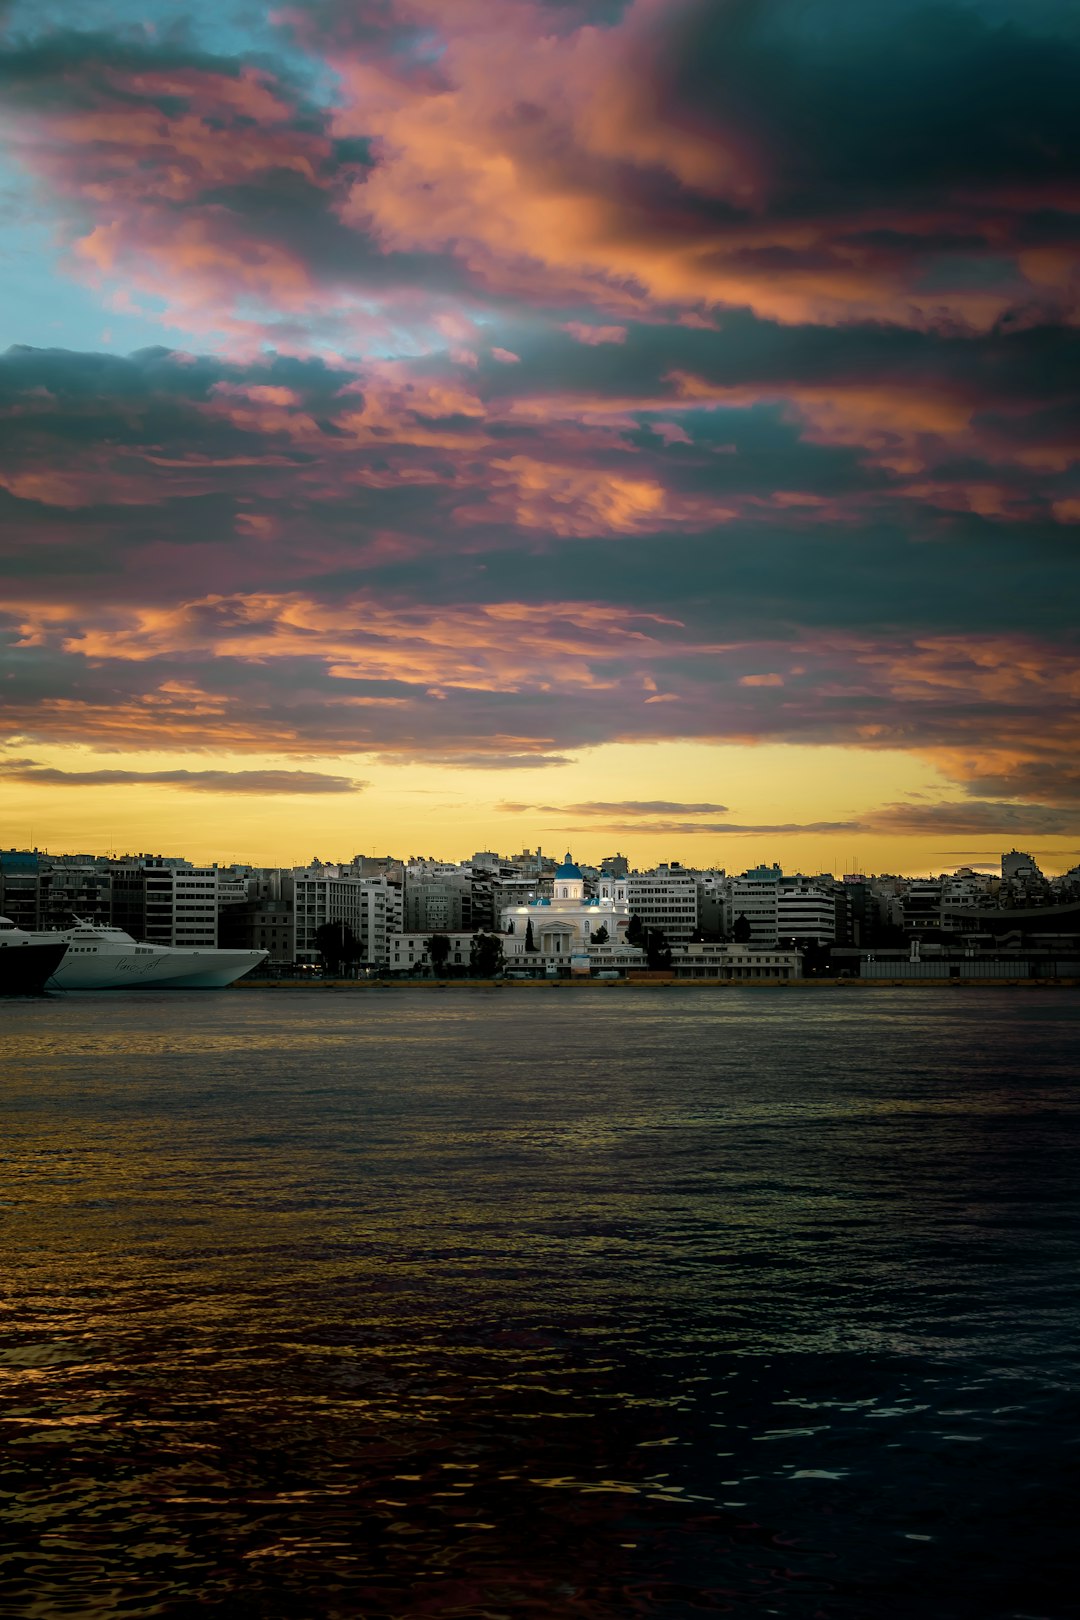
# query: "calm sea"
574, 1305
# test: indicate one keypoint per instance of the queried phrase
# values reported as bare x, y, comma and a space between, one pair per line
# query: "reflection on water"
497, 1305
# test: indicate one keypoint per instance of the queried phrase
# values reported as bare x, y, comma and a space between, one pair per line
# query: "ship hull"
25, 969
160, 968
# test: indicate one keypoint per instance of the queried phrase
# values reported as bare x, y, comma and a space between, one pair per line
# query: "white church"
567, 925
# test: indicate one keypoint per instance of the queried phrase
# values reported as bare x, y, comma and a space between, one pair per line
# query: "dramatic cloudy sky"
441, 424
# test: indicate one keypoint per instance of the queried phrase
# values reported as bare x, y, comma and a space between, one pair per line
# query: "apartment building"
260, 924
20, 887
920, 904
755, 896
180, 906
328, 894
437, 899
805, 912
666, 899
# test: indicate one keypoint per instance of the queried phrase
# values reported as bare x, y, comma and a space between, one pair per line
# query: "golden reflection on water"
720, 1306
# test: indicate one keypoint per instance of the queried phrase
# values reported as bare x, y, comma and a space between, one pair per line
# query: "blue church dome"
569, 870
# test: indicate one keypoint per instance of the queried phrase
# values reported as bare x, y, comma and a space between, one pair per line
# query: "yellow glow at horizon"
425, 809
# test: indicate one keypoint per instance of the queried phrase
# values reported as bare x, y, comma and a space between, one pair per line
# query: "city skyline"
546, 858
608, 918
637, 423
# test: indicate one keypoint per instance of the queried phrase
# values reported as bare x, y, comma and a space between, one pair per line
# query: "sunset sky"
436, 425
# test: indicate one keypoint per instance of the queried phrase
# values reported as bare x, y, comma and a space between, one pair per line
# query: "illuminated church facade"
569, 922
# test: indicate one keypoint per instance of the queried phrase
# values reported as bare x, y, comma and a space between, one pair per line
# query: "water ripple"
728, 1304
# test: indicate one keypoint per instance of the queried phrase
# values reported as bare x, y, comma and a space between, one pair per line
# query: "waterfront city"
533, 915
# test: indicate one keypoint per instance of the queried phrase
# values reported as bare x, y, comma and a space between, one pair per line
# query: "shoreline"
655, 984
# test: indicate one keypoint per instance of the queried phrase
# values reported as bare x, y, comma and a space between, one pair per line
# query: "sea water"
540, 1303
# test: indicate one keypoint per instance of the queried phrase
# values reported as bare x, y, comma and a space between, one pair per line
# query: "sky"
639, 425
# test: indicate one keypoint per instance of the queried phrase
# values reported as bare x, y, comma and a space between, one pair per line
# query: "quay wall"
654, 984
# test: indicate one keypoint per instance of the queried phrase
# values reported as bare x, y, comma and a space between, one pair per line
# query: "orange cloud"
678, 159
502, 646
594, 335
579, 501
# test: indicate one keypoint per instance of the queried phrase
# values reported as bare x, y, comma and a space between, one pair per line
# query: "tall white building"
181, 905
330, 894
666, 899
755, 896
805, 913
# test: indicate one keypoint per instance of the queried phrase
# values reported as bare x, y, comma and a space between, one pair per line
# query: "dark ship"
26, 962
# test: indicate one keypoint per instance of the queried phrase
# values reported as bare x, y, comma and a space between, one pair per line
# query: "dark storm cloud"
837, 95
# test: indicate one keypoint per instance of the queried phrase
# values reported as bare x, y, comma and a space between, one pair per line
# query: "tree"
742, 933
601, 936
337, 945
657, 949
438, 948
485, 955
635, 932
530, 939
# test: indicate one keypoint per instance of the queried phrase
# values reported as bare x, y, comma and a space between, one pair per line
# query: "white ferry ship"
100, 957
